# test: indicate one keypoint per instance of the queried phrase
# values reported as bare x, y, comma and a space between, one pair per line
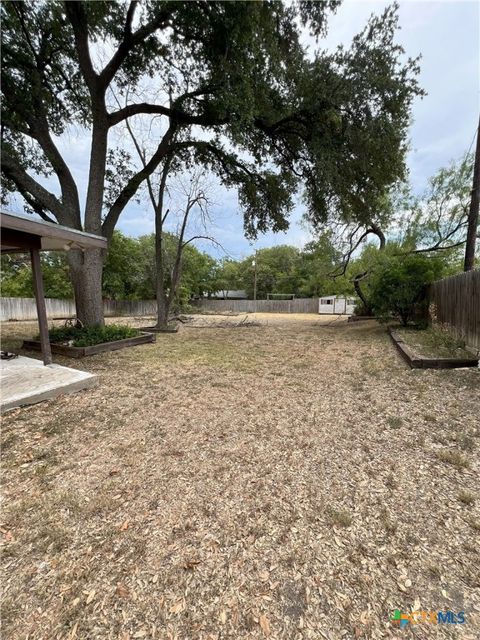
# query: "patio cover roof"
21, 233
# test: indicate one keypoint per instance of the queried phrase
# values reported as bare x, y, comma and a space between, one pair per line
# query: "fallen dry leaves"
278, 481
265, 624
122, 591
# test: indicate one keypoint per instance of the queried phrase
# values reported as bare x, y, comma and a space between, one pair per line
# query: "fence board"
455, 304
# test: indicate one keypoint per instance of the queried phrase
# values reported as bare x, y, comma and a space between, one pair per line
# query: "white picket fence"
26, 309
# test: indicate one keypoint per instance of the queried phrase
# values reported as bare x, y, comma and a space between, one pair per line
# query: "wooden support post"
255, 284
41, 307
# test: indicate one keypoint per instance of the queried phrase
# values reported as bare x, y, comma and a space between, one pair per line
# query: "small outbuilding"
336, 305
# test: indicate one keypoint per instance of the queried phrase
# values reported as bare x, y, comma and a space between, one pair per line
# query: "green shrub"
361, 310
399, 285
88, 336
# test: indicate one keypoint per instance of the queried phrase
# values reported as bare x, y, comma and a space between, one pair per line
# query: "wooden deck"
27, 381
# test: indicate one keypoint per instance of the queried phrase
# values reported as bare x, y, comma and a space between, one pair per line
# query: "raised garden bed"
172, 329
416, 361
360, 318
81, 352
63, 340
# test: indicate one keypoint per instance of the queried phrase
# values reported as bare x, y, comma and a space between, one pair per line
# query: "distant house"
336, 305
231, 294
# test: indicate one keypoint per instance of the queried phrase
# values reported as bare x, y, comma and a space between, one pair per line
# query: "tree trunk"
358, 290
404, 317
373, 228
163, 301
163, 309
86, 268
469, 263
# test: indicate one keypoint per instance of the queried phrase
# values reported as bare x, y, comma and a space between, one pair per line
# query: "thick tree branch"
27, 184
473, 212
439, 245
131, 40
35, 205
70, 198
76, 15
38, 129
175, 115
373, 228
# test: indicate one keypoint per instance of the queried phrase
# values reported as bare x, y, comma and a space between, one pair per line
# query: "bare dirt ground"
288, 480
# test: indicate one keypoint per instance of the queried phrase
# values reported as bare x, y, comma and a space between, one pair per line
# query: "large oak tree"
236, 90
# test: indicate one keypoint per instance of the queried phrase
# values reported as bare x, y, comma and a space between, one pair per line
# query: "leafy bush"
88, 336
398, 286
360, 310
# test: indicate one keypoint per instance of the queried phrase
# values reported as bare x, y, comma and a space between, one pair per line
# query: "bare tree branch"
354, 244
132, 185
433, 249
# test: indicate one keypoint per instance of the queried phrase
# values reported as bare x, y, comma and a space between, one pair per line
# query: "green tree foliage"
277, 271
125, 271
285, 269
270, 118
130, 268
227, 276
398, 284
198, 274
433, 222
129, 272
17, 280
318, 261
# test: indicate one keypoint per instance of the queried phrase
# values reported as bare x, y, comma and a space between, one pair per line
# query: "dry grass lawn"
289, 480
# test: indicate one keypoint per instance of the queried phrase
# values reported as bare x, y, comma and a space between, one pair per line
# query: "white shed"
336, 305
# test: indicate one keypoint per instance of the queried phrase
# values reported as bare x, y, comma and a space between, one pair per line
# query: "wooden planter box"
81, 352
158, 330
360, 318
418, 362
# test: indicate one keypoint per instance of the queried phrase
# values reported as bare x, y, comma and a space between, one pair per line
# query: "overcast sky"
446, 34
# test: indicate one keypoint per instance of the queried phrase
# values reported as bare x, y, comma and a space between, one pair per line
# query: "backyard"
288, 479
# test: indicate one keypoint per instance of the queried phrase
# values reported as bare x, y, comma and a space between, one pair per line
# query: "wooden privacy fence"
297, 305
25, 308
455, 304
113, 308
